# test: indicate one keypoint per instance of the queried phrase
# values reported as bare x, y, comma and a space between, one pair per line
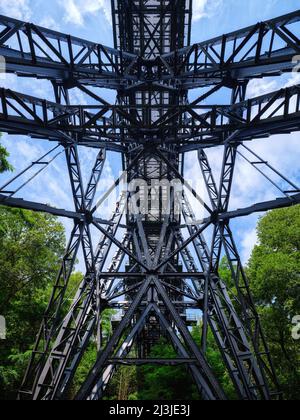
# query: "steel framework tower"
166, 262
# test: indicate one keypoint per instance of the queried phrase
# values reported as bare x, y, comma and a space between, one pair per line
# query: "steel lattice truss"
151, 125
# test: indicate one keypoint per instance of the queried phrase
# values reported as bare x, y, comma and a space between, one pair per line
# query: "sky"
90, 19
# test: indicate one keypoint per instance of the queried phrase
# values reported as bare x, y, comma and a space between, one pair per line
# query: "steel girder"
267, 48
151, 28
76, 327
152, 124
264, 49
191, 127
32, 51
222, 237
83, 200
278, 203
221, 314
209, 386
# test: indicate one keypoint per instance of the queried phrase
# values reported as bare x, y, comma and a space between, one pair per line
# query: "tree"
274, 271
175, 383
90, 356
165, 382
4, 164
31, 246
123, 385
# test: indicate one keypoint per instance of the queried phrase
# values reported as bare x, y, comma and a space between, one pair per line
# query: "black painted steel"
156, 266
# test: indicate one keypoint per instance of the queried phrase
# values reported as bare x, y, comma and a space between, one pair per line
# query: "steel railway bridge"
153, 264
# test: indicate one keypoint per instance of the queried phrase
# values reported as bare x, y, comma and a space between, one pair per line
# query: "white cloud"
77, 10
249, 186
293, 80
194, 178
50, 23
283, 153
18, 9
248, 243
258, 87
205, 8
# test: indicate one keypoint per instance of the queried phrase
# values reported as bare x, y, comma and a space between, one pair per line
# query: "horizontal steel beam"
33, 51
38, 207
188, 126
262, 207
264, 49
19, 203
44, 208
141, 362
164, 275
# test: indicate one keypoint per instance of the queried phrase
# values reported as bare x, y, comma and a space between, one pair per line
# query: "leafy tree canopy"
274, 271
31, 246
4, 155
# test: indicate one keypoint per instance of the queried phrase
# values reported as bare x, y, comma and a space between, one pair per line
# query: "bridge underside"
155, 261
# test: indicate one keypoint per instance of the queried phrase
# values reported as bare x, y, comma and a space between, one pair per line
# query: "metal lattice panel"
153, 263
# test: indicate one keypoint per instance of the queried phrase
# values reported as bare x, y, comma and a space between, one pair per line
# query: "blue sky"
90, 19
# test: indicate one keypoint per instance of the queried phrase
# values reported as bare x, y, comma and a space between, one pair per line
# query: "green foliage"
274, 277
225, 273
123, 385
4, 164
275, 264
106, 324
274, 270
165, 382
83, 370
175, 383
31, 249
90, 355
31, 246
215, 360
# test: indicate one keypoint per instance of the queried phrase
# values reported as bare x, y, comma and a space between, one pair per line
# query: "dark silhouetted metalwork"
153, 266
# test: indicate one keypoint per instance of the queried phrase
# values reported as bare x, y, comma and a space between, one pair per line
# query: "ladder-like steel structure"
152, 262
